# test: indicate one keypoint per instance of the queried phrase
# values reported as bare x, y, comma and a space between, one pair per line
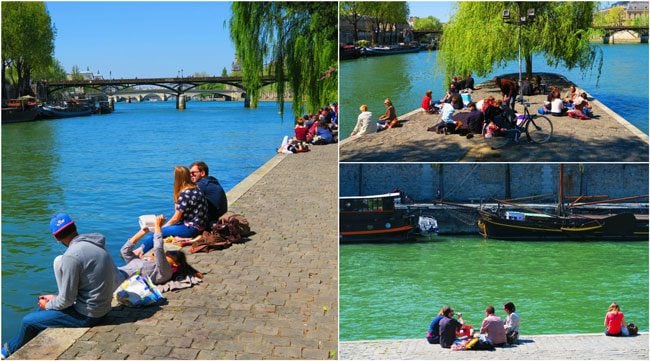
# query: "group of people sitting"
367, 125
452, 96
574, 104
86, 275
317, 129
488, 111
445, 330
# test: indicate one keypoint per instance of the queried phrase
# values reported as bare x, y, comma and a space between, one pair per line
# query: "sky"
143, 39
439, 9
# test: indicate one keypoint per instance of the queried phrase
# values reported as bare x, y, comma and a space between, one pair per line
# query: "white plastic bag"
137, 291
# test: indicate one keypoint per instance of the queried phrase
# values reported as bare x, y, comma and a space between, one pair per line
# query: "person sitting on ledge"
433, 336
512, 323
615, 321
426, 103
390, 117
449, 327
365, 123
86, 278
493, 327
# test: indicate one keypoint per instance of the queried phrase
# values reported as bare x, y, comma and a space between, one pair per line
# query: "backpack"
632, 329
230, 228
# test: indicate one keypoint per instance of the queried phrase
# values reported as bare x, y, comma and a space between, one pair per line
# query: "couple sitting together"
86, 275
444, 328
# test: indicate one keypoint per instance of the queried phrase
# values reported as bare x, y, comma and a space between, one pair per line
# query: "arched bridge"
178, 85
624, 33
165, 94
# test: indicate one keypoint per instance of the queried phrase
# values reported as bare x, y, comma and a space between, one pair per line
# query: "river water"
392, 291
623, 86
106, 170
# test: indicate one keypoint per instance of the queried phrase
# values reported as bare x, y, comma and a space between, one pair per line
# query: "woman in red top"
301, 130
615, 322
426, 101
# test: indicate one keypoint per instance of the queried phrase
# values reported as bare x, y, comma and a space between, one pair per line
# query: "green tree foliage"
429, 23
476, 38
298, 40
27, 42
641, 20
384, 15
350, 11
224, 71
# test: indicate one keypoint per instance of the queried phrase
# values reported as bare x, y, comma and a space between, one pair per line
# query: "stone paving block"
228, 345
112, 356
215, 355
136, 346
291, 352
183, 353
158, 351
314, 354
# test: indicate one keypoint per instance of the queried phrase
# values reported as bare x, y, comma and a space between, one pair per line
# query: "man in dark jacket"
214, 193
449, 327
85, 276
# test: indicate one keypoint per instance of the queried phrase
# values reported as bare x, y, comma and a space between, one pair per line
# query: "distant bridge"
177, 86
166, 94
633, 32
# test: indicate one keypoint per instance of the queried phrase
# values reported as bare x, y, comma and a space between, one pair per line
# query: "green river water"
392, 291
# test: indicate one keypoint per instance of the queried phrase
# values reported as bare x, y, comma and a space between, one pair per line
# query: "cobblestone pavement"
602, 139
274, 297
543, 347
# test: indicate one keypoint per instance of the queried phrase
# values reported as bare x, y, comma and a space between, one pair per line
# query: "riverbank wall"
608, 137
531, 347
473, 183
273, 297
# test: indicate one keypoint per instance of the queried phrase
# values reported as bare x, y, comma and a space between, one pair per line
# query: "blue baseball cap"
59, 222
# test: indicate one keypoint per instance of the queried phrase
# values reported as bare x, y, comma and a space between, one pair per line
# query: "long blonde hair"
614, 308
182, 180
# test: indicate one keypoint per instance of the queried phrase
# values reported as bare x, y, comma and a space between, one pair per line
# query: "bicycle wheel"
497, 142
539, 129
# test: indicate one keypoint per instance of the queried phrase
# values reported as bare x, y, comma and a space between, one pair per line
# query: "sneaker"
469, 136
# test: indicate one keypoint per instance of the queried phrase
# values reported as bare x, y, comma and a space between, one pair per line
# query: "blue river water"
106, 170
623, 85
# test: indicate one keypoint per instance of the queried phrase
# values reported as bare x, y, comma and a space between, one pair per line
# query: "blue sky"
439, 9
143, 39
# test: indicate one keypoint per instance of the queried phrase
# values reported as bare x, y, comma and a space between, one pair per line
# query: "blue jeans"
35, 322
178, 229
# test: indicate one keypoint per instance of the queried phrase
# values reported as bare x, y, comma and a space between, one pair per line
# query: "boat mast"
560, 195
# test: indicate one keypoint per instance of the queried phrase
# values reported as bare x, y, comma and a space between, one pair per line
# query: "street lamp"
521, 20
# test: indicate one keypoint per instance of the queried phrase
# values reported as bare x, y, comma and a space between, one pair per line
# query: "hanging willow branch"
298, 42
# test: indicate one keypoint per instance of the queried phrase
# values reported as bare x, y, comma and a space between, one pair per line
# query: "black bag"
632, 329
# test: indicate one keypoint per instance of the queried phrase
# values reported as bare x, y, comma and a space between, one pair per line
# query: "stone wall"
467, 182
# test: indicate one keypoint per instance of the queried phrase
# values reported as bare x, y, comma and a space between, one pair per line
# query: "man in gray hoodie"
85, 276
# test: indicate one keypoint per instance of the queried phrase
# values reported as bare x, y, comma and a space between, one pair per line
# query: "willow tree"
27, 43
477, 39
297, 40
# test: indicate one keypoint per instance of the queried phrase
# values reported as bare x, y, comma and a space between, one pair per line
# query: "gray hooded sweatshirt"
87, 277
158, 270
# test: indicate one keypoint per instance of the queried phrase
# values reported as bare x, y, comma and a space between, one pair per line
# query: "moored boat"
55, 111
23, 109
377, 51
347, 52
565, 225
374, 218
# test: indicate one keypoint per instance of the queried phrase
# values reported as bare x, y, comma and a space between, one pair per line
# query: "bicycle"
538, 128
